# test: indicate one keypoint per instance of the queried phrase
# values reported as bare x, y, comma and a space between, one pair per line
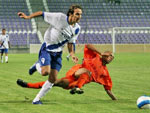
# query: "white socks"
38, 67
45, 88
2, 59
6, 58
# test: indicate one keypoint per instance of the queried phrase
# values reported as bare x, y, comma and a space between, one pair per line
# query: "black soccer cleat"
79, 91
76, 90
73, 91
32, 69
22, 83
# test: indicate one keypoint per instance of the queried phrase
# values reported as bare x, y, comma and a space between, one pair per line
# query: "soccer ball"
143, 102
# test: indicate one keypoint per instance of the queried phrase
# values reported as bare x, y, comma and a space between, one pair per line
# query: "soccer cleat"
32, 69
37, 102
22, 83
73, 91
79, 91
76, 90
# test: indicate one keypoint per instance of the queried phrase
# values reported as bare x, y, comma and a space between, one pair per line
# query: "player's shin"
2, 59
36, 85
6, 58
45, 88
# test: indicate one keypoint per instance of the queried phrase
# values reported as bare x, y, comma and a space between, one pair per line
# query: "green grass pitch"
130, 73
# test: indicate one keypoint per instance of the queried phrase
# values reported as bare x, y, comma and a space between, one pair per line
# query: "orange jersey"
93, 62
89, 54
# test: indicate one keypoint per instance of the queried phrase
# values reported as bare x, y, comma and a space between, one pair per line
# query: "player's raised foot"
32, 69
22, 83
37, 102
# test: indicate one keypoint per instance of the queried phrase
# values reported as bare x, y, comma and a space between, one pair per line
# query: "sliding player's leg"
83, 79
64, 83
24, 84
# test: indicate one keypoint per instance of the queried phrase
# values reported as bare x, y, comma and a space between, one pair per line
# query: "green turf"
130, 74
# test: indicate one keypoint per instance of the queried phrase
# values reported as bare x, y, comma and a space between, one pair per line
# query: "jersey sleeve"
76, 34
52, 18
73, 40
89, 54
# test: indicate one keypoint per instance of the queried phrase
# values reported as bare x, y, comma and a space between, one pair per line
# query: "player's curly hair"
72, 8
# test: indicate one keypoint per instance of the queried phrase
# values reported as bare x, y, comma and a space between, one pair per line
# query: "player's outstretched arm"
91, 47
71, 51
36, 14
111, 95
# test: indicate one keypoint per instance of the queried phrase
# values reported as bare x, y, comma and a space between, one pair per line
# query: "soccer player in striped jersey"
4, 45
62, 29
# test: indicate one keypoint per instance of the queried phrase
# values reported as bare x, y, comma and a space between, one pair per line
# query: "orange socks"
35, 85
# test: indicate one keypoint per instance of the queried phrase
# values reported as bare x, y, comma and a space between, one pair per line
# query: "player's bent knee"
52, 80
45, 72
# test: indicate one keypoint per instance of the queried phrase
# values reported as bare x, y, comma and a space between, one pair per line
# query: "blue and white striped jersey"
59, 32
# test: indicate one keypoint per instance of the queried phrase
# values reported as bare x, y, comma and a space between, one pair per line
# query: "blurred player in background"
63, 28
4, 45
74, 42
93, 69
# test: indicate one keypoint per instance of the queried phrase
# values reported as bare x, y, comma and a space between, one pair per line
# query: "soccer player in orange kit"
93, 69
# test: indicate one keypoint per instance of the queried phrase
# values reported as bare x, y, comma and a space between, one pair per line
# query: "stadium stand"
17, 28
99, 17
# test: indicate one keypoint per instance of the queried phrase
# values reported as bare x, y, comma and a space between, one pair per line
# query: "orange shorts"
71, 79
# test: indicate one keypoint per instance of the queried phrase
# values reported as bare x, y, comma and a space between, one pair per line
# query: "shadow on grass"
71, 101
14, 102
75, 102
